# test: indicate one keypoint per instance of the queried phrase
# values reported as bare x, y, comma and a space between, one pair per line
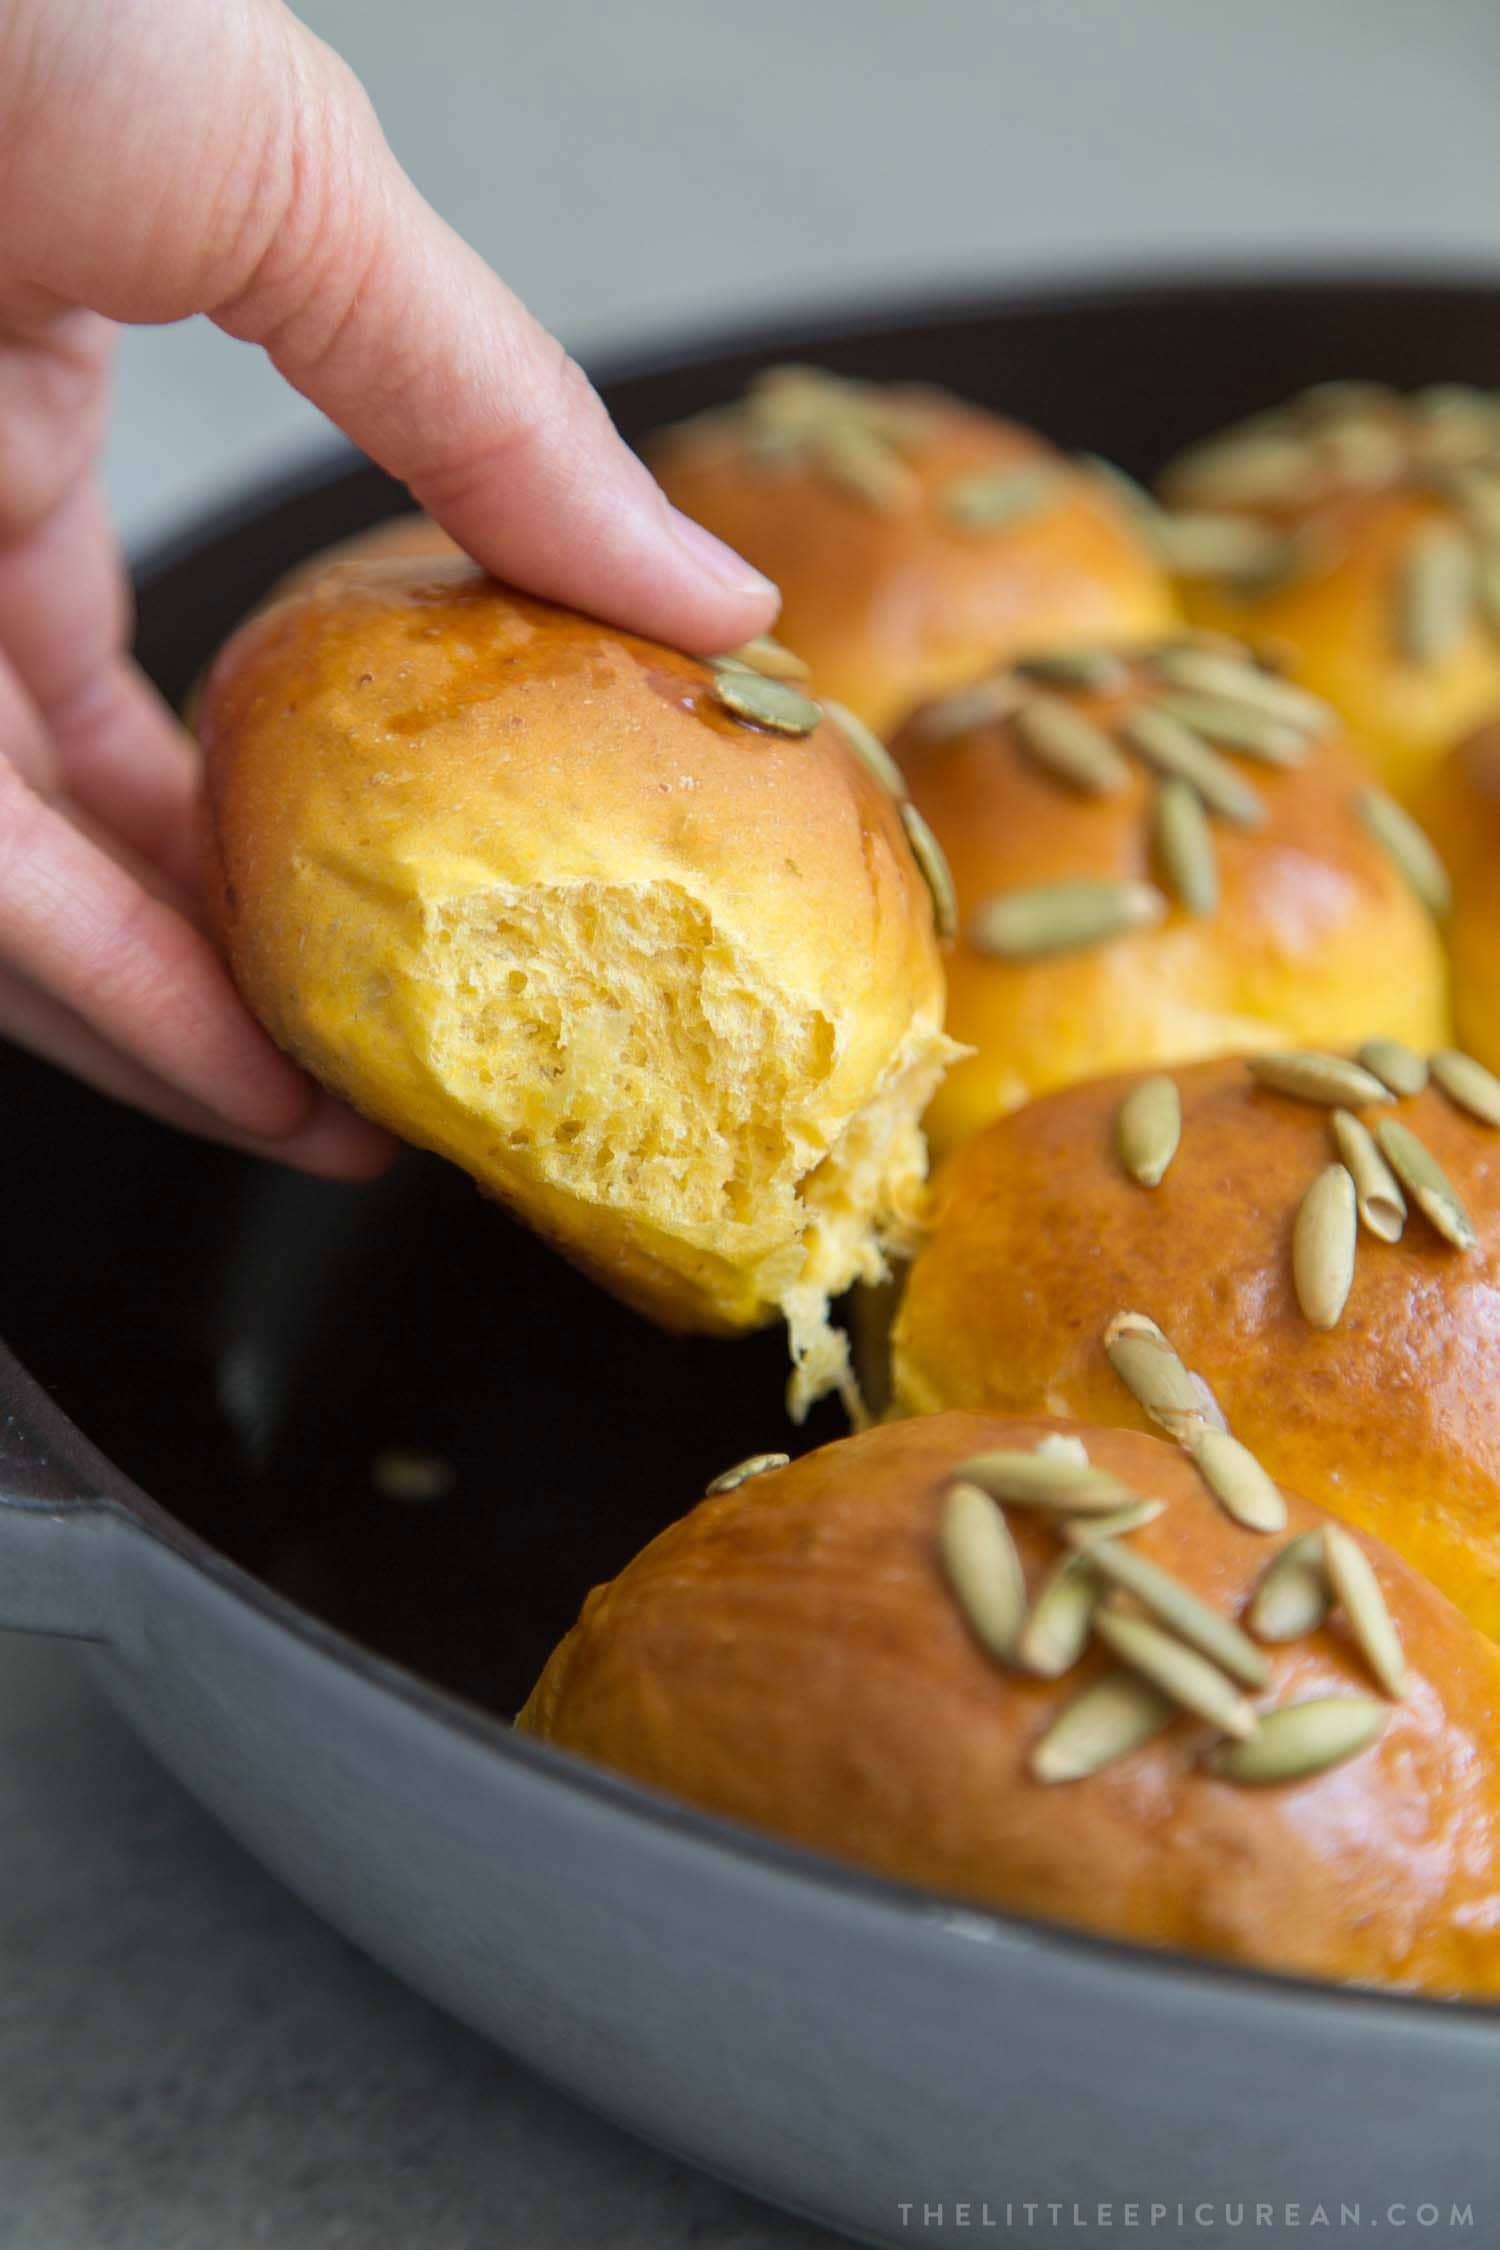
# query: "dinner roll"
1159, 856
1460, 809
1384, 1408
846, 1654
638, 939
914, 537
408, 534
1360, 529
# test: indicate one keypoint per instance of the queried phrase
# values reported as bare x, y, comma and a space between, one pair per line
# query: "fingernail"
721, 562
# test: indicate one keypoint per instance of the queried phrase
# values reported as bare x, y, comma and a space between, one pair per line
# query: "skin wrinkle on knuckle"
542, 418
316, 225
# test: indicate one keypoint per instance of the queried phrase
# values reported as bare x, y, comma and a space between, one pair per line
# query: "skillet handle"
56, 1540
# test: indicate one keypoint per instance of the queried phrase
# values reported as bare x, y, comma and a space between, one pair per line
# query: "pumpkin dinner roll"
640, 940
1158, 855
1049, 1667
1359, 528
915, 538
1303, 1247
409, 535
1460, 811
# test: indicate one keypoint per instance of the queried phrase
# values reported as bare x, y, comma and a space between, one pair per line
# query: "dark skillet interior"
242, 1341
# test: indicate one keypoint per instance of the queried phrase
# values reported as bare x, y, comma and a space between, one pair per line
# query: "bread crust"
1308, 902
517, 885
791, 1656
1460, 808
1337, 608
891, 606
1391, 1419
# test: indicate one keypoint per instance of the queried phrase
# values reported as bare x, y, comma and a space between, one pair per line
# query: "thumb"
296, 229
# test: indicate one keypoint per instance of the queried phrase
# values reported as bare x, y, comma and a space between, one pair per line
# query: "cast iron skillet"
329, 1669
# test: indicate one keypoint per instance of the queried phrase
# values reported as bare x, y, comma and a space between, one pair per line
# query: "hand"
165, 157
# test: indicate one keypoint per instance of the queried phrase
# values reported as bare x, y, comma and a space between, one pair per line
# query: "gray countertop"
188, 2060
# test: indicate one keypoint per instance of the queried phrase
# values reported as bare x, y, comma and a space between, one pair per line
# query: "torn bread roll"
638, 939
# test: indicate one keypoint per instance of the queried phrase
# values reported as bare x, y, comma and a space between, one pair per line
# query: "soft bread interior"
618, 1045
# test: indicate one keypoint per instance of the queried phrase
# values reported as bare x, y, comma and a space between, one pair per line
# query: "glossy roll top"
1359, 528
864, 1653
1335, 1288
1160, 854
915, 538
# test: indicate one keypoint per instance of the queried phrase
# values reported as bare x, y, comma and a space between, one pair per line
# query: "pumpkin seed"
1293, 1595
1185, 846
993, 499
1323, 1242
765, 654
1435, 593
1382, 1206
1239, 678
765, 703
1120, 484
1237, 1481
1174, 749
867, 747
1061, 1620
1351, 1576
1071, 746
1468, 1083
1477, 493
1047, 918
1298, 1740
1342, 395
867, 468
1426, 1183
982, 1566
1044, 1480
1084, 1532
1200, 545
1094, 670
1399, 1066
753, 1465
1057, 1446
1363, 453
1489, 583
1117, 1713
1248, 470
1189, 1679
980, 706
1238, 726
1195, 1624
1452, 422
1411, 849
1308, 1076
932, 861
1179, 1401
1148, 1127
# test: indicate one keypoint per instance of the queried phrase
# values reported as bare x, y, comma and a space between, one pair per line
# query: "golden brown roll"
1460, 809
797, 1654
1159, 856
1358, 528
1390, 1417
637, 939
915, 538
407, 536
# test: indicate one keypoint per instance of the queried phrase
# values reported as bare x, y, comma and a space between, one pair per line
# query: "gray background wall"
657, 164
